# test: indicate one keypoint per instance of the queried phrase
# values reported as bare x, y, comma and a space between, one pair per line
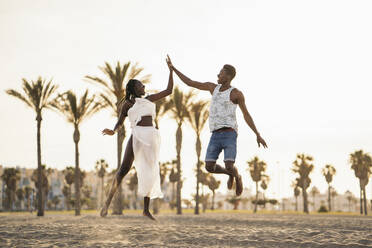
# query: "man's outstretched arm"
248, 119
198, 85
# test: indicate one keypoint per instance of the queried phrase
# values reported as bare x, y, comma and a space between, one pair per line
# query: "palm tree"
164, 168
264, 182
173, 178
296, 192
20, 192
361, 163
203, 179
180, 112
162, 107
76, 111
197, 118
302, 165
257, 169
113, 93
28, 192
314, 191
10, 177
44, 182
87, 191
66, 191
234, 200
68, 172
328, 172
213, 184
101, 167
55, 201
333, 195
37, 95
349, 197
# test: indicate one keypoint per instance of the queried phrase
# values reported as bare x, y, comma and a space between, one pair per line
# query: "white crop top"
142, 107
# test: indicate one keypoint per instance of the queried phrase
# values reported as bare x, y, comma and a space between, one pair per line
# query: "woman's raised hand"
169, 63
108, 131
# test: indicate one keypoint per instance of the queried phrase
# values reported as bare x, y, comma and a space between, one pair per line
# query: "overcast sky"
303, 66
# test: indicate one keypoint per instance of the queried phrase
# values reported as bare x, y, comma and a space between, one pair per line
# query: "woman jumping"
144, 143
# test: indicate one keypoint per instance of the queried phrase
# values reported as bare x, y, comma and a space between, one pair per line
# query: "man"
222, 123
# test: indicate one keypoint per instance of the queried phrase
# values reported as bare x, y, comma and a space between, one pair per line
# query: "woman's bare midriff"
146, 121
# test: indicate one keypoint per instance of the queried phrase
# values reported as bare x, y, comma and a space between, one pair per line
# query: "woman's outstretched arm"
168, 90
120, 121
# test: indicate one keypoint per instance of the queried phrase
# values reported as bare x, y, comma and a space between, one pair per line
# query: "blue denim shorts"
219, 141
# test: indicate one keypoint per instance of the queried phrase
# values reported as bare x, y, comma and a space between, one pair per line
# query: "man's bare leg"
238, 179
230, 170
212, 167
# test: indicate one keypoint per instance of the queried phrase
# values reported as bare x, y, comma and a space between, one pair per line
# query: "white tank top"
142, 107
222, 112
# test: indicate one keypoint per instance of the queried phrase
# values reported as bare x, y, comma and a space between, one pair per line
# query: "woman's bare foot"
104, 211
148, 214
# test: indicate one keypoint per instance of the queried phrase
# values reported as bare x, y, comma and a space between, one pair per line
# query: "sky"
303, 66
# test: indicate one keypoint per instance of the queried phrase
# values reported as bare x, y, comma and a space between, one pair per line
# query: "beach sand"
188, 230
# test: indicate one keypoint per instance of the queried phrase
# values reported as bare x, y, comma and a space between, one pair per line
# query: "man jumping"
222, 123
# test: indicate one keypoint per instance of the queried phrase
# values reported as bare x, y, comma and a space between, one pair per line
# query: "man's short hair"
230, 70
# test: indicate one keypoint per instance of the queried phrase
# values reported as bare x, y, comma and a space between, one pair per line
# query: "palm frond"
20, 97
98, 80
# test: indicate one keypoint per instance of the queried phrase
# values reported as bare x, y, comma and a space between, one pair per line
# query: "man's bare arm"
198, 85
248, 119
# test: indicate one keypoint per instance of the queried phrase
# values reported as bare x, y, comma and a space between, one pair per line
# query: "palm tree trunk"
361, 199
77, 171
40, 205
329, 197
213, 194
198, 150
255, 204
118, 200
365, 201
173, 190
179, 182
304, 193
102, 189
69, 198
314, 208
296, 203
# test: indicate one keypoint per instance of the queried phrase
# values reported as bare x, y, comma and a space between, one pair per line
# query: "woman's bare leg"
146, 211
124, 169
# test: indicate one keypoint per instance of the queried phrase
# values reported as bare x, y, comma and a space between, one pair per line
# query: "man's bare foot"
230, 182
104, 211
148, 214
239, 185
238, 181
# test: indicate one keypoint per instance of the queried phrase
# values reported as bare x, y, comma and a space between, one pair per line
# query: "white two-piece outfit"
146, 147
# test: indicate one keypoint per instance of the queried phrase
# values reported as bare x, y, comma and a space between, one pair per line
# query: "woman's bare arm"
167, 91
124, 111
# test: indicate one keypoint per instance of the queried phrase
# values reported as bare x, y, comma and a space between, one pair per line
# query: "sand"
206, 230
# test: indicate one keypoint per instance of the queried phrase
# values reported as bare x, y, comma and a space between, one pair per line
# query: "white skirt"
146, 146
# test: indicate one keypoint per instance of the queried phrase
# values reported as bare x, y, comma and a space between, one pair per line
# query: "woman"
143, 145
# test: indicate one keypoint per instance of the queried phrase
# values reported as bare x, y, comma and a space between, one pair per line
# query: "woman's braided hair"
129, 90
